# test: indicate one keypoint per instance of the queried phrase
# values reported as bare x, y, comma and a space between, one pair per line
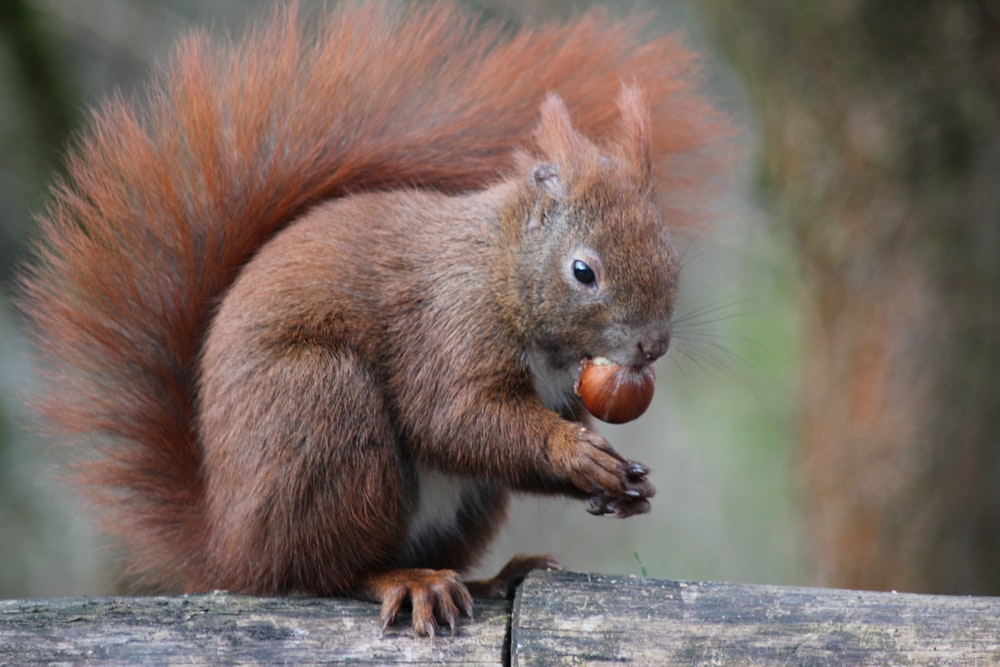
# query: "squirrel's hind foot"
512, 574
435, 596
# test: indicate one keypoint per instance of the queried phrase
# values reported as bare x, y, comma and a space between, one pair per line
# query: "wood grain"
570, 618
557, 618
222, 628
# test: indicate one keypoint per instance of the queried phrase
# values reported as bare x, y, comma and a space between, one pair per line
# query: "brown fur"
379, 331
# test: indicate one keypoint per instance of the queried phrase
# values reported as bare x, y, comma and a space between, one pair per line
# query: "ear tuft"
559, 142
634, 142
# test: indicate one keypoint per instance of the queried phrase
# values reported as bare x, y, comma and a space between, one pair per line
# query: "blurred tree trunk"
880, 150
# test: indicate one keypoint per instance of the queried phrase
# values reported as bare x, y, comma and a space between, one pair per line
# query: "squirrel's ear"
635, 143
546, 177
555, 134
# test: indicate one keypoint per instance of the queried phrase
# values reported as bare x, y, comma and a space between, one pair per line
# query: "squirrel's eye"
583, 273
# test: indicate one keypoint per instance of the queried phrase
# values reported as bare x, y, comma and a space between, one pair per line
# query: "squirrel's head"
601, 272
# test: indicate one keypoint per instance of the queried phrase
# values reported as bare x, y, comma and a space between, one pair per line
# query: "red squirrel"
315, 303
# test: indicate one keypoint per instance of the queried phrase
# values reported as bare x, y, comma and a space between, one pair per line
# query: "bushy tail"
167, 196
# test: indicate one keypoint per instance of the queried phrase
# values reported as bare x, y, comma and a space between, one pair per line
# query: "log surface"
557, 618
224, 629
569, 618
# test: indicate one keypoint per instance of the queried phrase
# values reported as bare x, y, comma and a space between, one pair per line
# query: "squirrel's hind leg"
306, 488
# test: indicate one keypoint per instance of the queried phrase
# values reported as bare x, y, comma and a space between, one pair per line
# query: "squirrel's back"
168, 195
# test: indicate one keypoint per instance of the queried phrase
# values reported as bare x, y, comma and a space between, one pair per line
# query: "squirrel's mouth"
598, 360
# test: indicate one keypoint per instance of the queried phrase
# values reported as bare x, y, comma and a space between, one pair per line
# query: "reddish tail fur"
167, 196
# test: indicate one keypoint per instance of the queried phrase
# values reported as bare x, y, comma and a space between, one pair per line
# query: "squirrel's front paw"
615, 486
633, 503
605, 505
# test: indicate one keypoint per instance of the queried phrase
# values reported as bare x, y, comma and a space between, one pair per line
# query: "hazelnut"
613, 393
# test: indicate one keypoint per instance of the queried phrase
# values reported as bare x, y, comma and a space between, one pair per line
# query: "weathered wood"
222, 628
567, 618
558, 618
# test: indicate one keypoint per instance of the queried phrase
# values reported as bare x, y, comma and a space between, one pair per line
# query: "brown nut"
613, 393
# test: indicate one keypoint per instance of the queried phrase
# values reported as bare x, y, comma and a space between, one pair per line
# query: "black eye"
583, 273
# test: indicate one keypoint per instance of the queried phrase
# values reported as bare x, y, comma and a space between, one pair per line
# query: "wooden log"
569, 618
224, 629
558, 618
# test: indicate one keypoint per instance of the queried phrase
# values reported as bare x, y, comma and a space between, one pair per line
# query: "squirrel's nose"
654, 346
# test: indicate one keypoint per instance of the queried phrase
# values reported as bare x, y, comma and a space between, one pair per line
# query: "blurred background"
830, 413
